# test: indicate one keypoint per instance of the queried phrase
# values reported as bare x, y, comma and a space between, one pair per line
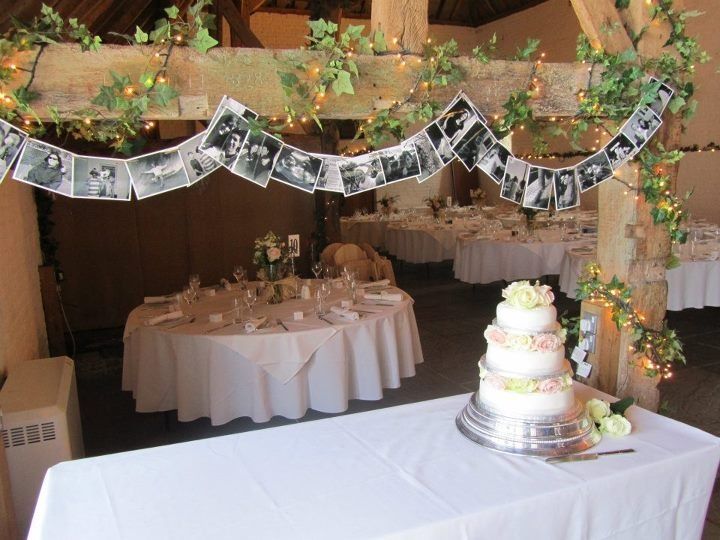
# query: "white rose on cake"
522, 294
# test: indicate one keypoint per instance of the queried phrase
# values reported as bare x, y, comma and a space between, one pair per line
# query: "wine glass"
325, 289
239, 273
194, 282
696, 236
317, 268
250, 297
188, 295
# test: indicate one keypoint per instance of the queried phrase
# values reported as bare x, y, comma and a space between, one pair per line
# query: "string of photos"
460, 132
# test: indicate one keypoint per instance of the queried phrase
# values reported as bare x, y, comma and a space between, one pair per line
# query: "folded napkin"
164, 317
379, 283
345, 313
157, 299
253, 324
390, 297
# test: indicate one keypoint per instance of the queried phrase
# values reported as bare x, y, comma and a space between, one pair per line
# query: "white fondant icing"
534, 404
524, 363
539, 319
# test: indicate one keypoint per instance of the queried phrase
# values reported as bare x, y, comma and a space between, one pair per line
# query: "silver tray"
541, 436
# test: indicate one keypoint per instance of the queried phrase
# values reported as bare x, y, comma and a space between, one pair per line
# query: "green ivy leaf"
147, 79
140, 36
203, 41
676, 103
343, 84
379, 44
172, 12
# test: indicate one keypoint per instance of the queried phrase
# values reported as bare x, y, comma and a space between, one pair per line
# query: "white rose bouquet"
269, 249
610, 417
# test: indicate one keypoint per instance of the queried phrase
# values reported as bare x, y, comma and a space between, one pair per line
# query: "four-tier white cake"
525, 402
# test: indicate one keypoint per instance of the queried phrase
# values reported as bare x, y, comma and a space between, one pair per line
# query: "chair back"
365, 268
326, 257
384, 270
369, 250
347, 253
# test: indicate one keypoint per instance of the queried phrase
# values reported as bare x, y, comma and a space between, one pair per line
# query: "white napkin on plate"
253, 324
390, 297
379, 283
156, 299
345, 313
164, 317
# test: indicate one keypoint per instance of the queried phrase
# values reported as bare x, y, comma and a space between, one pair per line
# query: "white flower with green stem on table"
610, 417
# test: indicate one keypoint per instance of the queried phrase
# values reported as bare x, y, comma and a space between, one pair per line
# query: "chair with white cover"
369, 250
384, 270
326, 257
347, 253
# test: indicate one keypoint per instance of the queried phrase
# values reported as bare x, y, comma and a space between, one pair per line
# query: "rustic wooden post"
630, 245
406, 20
8, 527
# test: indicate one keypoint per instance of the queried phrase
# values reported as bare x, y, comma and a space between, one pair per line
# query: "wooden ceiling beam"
250, 76
239, 24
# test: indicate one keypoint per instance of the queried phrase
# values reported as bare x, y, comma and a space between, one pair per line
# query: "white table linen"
421, 243
227, 374
359, 230
398, 473
693, 284
486, 260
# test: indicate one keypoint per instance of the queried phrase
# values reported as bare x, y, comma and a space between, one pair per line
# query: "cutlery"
219, 327
324, 319
365, 310
278, 321
587, 457
376, 304
191, 320
172, 323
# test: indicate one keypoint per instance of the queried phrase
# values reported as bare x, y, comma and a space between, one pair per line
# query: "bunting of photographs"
460, 132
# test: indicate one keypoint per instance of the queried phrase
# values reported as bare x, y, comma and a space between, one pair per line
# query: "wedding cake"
525, 402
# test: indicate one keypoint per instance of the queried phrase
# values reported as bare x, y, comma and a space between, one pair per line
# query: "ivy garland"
655, 351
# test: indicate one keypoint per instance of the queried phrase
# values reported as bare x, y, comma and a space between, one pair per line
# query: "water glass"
250, 297
319, 303
194, 283
237, 312
240, 275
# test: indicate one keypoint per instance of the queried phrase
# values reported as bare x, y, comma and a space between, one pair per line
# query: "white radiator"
40, 426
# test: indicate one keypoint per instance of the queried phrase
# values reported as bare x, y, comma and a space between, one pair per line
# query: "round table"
203, 369
484, 260
359, 230
422, 243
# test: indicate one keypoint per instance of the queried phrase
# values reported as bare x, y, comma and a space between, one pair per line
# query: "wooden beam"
406, 20
238, 23
596, 17
250, 76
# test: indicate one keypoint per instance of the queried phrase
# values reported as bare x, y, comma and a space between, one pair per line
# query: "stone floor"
451, 317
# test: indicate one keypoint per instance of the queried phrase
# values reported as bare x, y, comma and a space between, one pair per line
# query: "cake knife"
586, 457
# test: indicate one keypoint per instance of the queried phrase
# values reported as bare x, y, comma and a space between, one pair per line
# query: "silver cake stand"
557, 435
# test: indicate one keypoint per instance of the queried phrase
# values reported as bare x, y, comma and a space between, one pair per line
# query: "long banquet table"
398, 473
226, 373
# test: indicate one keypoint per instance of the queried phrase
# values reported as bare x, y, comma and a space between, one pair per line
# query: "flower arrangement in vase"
477, 196
271, 255
387, 204
436, 203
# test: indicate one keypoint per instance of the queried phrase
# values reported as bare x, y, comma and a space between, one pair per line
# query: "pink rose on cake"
495, 381
545, 293
546, 343
551, 386
493, 334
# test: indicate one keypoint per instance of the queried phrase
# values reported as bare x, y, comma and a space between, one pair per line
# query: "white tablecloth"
357, 231
399, 473
693, 284
485, 261
227, 374
424, 244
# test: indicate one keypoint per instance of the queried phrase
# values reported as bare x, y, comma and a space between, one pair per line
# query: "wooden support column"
630, 245
406, 20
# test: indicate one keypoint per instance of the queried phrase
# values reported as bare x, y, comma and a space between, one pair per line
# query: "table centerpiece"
271, 257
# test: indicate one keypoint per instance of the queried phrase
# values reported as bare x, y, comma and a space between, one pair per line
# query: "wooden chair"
326, 257
384, 270
369, 250
365, 268
347, 253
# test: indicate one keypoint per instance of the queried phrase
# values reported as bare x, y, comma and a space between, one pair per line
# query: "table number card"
293, 245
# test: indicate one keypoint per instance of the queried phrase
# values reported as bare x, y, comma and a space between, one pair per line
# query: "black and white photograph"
457, 119
566, 190
430, 161
539, 188
227, 132
45, 166
474, 145
593, 170
664, 94
641, 126
493, 162
361, 173
513, 184
329, 179
400, 162
439, 143
297, 168
157, 173
619, 150
100, 178
197, 164
11, 141
257, 158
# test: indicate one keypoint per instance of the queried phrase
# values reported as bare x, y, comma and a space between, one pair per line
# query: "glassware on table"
194, 282
237, 312
188, 295
249, 296
695, 237
317, 268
